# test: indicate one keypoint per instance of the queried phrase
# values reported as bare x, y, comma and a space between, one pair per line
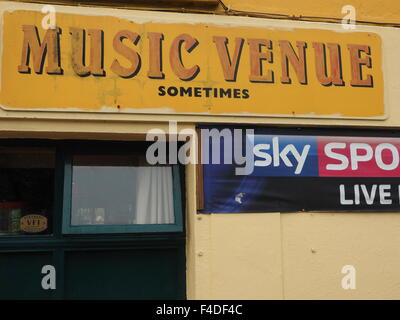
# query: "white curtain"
154, 195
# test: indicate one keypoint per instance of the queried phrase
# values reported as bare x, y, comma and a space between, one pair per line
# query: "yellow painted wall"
315, 247
265, 255
383, 11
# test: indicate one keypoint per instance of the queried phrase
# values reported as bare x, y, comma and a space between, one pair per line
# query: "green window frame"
68, 229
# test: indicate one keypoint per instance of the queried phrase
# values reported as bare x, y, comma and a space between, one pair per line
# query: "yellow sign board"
104, 63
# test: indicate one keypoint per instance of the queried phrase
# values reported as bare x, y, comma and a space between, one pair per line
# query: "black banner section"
206, 309
281, 194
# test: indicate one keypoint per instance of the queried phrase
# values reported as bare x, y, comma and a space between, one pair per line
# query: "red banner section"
358, 157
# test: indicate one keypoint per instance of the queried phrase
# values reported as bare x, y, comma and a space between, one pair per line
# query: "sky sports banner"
296, 172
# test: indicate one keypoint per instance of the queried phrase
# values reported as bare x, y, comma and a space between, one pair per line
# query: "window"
26, 190
77, 205
103, 190
119, 193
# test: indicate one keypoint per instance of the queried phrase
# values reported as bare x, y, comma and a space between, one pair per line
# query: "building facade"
107, 113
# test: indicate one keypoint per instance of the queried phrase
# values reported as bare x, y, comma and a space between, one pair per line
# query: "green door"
82, 220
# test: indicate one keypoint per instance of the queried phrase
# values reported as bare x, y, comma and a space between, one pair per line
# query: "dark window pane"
26, 190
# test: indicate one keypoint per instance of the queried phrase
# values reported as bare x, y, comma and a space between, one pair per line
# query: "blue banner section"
284, 156
224, 190
266, 155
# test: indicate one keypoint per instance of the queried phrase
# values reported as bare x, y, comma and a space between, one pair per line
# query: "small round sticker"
33, 223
